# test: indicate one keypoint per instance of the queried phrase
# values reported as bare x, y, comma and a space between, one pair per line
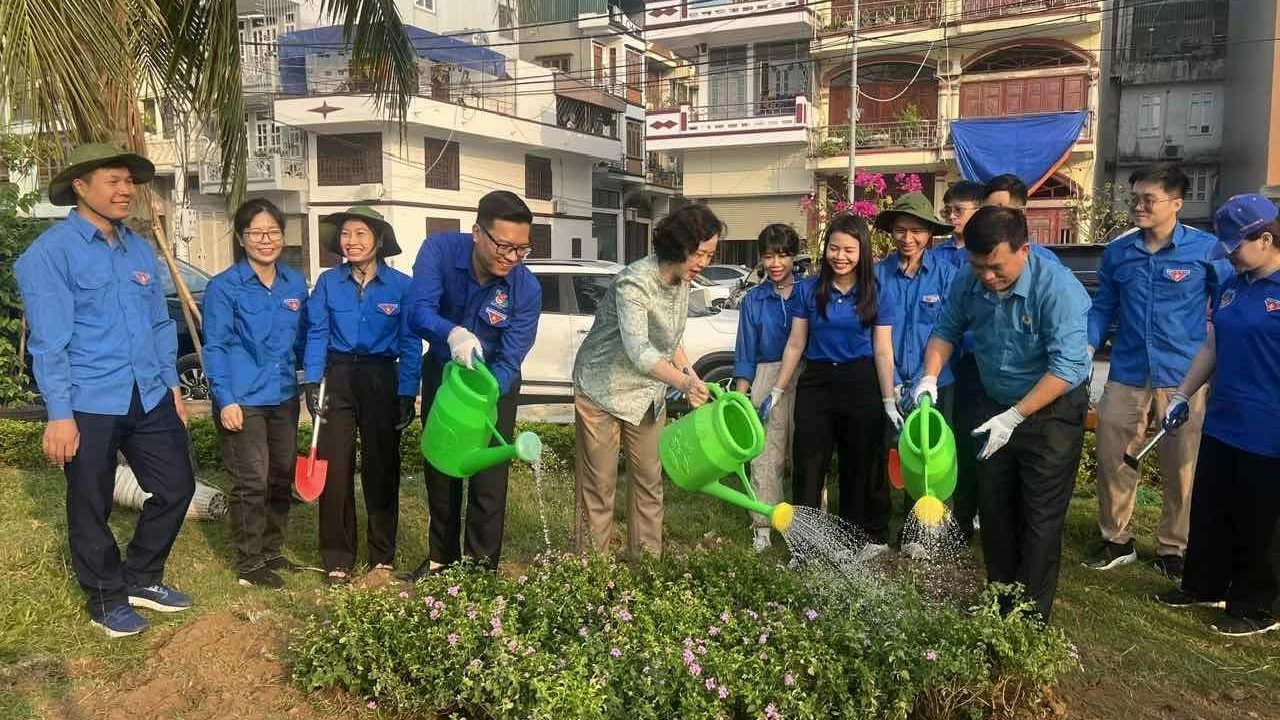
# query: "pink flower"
453, 638
404, 595
431, 600
695, 669
931, 655
474, 663
710, 684
582, 631
789, 680
724, 692
771, 712
372, 705
841, 206
471, 614
811, 614
864, 209
454, 590
764, 638
624, 616
713, 631
687, 656
615, 652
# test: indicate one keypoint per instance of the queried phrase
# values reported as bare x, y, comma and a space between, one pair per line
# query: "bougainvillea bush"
714, 635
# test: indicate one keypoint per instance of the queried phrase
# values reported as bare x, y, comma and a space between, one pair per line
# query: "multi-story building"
1251, 148
1167, 93
737, 114
923, 65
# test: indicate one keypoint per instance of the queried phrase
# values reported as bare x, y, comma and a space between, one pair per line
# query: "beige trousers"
767, 470
1123, 418
596, 472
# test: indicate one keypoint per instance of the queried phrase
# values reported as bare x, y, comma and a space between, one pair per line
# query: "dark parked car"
1083, 259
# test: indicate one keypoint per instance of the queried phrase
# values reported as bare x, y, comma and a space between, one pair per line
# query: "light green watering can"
461, 426
927, 453
715, 441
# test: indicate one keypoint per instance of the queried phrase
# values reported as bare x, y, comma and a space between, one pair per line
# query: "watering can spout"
779, 515
527, 447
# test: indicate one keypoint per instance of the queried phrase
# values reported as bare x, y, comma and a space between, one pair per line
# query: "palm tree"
77, 66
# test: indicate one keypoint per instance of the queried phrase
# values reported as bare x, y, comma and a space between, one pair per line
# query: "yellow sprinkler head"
929, 510
782, 515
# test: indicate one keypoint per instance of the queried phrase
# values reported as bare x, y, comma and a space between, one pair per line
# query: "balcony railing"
833, 140
666, 177
877, 14
974, 10
260, 74
1086, 130
763, 108
437, 81
265, 168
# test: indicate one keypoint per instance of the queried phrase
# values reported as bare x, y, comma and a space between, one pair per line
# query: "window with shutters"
635, 77
575, 247
506, 19
635, 139
1201, 185
350, 159
540, 241
1200, 114
555, 62
597, 63
537, 178
1149, 107
442, 164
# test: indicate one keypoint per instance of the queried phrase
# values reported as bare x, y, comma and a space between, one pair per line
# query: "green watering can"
927, 453
462, 425
714, 441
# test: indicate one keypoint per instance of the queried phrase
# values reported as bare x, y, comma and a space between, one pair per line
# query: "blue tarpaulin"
1030, 146
295, 46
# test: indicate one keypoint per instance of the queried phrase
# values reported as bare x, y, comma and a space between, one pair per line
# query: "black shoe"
1233, 626
423, 571
262, 577
1179, 598
1112, 555
1169, 566
281, 563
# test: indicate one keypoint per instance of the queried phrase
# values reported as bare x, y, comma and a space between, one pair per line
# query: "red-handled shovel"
310, 471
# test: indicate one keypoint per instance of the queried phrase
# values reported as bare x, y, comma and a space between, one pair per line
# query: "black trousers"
361, 397
1023, 493
155, 444
964, 418
260, 458
838, 409
486, 492
1235, 519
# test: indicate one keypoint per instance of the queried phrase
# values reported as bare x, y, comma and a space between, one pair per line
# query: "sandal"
384, 566
337, 577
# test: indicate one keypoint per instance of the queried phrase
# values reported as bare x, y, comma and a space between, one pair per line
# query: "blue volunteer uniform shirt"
342, 318
959, 256
99, 321
840, 337
1246, 330
1039, 327
1161, 302
764, 324
254, 335
921, 299
502, 313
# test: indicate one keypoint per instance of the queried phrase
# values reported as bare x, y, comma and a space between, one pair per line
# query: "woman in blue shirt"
1235, 501
843, 329
358, 337
764, 324
253, 345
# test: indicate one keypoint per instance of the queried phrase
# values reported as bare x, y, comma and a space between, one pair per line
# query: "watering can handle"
715, 390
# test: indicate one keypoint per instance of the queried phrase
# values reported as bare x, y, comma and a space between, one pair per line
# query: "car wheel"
191, 378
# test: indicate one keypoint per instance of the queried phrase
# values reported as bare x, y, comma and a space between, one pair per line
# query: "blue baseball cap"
1240, 217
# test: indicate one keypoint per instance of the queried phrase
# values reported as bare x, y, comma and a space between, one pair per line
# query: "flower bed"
714, 635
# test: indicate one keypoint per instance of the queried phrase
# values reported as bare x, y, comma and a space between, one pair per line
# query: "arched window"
882, 81
1027, 57
982, 95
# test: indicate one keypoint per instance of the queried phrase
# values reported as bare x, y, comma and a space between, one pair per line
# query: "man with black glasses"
472, 300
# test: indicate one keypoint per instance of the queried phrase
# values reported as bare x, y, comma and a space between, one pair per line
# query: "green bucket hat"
89, 157
331, 226
916, 206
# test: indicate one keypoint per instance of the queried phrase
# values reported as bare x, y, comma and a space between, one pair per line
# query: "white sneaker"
915, 551
762, 540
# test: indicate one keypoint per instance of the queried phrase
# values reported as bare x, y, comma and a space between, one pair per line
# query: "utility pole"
853, 103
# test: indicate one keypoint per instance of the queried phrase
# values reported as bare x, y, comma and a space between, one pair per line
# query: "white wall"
757, 170
1175, 103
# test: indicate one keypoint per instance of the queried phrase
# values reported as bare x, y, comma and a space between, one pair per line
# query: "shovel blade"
895, 469
309, 474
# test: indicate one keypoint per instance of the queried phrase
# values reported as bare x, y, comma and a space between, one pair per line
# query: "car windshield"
700, 280
195, 278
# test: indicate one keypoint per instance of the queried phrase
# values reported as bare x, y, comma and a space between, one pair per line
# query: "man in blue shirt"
1156, 282
104, 353
920, 282
472, 299
1029, 323
359, 341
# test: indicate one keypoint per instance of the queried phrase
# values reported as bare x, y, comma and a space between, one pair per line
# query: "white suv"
571, 290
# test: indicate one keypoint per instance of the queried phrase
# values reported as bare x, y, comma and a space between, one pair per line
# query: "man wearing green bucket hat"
359, 340
1029, 323
104, 351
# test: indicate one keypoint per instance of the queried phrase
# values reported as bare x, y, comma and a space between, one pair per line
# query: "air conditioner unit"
948, 68
630, 214
1173, 151
368, 191
558, 207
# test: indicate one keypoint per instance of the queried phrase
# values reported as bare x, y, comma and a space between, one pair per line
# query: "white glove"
766, 407
464, 347
928, 386
998, 430
895, 415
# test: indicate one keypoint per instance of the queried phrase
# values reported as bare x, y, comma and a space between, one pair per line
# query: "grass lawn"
224, 658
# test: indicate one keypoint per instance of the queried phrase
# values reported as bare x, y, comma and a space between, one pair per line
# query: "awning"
578, 90
1031, 146
295, 46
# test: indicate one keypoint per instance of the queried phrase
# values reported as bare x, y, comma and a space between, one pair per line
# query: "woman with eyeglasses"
254, 332
359, 341
624, 369
1235, 500
842, 328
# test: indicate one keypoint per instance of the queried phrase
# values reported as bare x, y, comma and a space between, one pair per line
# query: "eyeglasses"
507, 249
957, 210
1147, 202
263, 237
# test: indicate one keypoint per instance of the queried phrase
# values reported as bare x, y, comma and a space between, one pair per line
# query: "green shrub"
20, 444
716, 635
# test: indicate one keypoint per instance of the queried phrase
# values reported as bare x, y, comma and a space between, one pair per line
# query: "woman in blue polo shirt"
843, 329
764, 324
1235, 503
253, 333
358, 337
